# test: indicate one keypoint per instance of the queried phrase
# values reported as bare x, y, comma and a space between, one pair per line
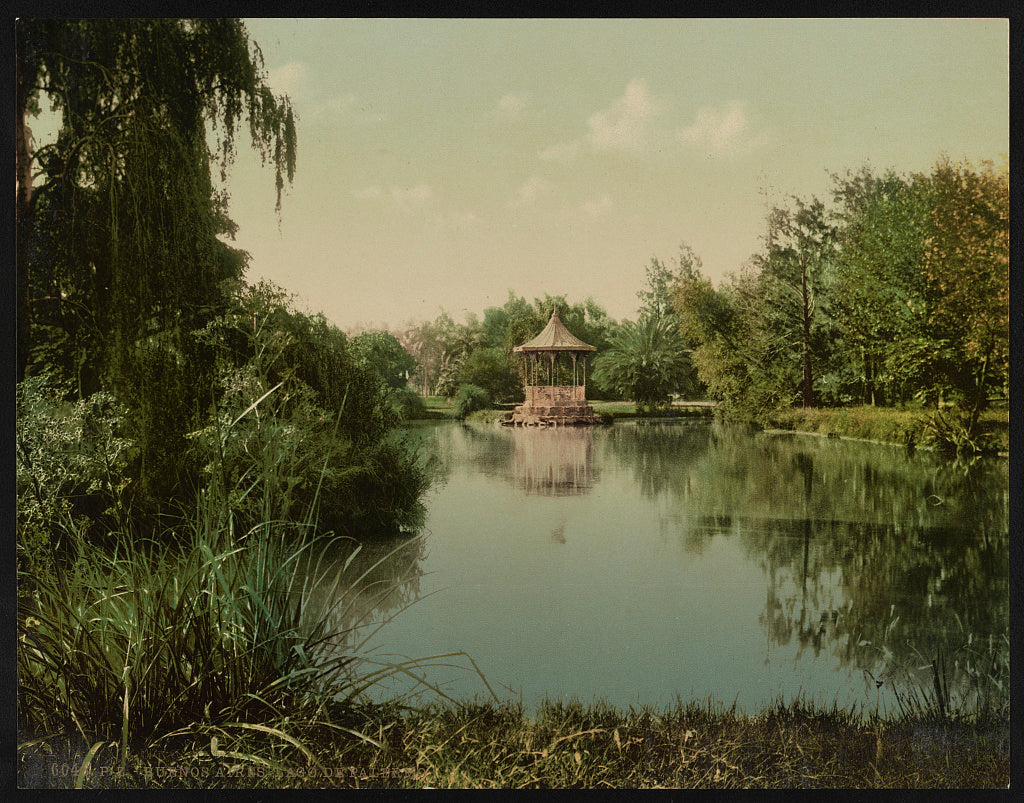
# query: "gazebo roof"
555, 337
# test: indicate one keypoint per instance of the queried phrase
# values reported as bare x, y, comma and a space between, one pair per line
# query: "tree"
304, 419
923, 281
494, 371
967, 266
383, 353
735, 350
119, 257
795, 266
647, 362
656, 297
881, 297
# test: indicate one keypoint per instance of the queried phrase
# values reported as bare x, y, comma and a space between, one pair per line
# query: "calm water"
644, 561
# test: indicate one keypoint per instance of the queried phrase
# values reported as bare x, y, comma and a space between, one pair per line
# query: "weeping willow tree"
119, 259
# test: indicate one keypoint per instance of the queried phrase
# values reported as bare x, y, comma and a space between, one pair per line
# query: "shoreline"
566, 745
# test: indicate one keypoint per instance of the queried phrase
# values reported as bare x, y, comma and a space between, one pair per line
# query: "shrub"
468, 399
407, 403
73, 465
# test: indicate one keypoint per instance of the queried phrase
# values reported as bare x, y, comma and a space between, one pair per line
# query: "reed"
204, 634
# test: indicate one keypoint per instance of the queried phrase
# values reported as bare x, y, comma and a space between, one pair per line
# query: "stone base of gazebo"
554, 406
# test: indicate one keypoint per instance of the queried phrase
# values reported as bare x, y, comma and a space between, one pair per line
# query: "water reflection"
636, 562
553, 461
880, 559
349, 588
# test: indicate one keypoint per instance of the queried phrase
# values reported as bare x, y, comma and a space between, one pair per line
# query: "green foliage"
468, 399
957, 432
656, 298
73, 467
119, 252
407, 403
494, 371
736, 356
883, 424
223, 633
448, 354
383, 353
881, 297
898, 294
300, 423
647, 362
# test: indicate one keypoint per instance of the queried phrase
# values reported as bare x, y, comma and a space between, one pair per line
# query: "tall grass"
208, 634
148, 644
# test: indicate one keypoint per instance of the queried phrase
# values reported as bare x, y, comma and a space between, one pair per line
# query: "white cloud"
721, 132
511, 105
529, 191
564, 152
626, 124
287, 78
598, 206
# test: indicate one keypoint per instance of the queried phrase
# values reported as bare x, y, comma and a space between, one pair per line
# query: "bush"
492, 370
73, 466
300, 424
468, 399
407, 403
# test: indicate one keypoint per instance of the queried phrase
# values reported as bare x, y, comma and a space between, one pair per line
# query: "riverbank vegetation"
185, 439
182, 435
907, 426
896, 296
491, 745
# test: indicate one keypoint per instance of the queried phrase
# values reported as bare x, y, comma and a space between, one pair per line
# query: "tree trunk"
808, 379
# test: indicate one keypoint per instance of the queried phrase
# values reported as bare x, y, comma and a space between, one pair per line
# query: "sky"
443, 163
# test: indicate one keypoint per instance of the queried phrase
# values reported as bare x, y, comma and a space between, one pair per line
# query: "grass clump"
226, 638
221, 651
497, 744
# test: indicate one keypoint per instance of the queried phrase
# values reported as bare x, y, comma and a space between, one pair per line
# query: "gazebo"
550, 404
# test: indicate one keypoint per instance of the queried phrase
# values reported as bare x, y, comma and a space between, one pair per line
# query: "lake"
645, 561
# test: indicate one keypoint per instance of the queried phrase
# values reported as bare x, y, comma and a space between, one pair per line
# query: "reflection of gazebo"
553, 404
553, 462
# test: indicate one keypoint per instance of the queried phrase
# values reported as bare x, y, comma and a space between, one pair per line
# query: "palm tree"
647, 362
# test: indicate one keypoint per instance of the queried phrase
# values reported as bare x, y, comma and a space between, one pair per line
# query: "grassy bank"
627, 409
437, 407
496, 745
892, 425
440, 407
